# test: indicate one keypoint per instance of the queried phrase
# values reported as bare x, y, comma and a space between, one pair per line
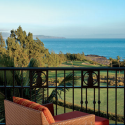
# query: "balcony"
99, 91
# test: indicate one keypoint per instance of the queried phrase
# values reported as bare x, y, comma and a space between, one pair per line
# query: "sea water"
102, 47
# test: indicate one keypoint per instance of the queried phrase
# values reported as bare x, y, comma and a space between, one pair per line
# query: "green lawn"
80, 64
103, 98
90, 92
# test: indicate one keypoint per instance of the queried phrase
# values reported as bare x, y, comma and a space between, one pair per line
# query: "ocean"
102, 47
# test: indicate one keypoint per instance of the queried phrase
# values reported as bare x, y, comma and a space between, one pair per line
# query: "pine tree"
22, 48
61, 57
2, 45
21, 37
111, 61
83, 56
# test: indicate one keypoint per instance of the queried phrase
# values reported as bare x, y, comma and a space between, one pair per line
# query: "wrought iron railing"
88, 77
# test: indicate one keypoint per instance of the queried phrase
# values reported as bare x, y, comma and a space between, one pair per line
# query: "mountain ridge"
5, 35
48, 37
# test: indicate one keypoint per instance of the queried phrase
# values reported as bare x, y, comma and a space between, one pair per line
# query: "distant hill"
5, 35
47, 37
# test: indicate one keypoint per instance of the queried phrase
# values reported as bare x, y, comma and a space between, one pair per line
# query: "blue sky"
65, 18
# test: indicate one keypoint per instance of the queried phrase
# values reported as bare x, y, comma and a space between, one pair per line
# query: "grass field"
82, 64
103, 99
79, 64
90, 91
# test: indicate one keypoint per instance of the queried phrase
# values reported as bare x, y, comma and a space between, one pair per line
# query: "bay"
102, 47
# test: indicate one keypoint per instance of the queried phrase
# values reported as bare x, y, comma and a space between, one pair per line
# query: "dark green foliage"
117, 62
62, 57
68, 82
2, 45
9, 62
22, 47
77, 57
26, 81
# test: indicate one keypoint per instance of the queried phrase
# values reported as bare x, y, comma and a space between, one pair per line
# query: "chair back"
17, 114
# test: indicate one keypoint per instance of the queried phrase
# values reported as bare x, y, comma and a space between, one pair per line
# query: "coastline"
99, 59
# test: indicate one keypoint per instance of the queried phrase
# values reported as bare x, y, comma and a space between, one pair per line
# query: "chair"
16, 114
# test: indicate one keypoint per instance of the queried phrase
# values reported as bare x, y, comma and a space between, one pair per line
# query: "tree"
111, 61
68, 82
83, 56
40, 52
9, 62
21, 37
22, 47
61, 57
2, 45
52, 59
6, 61
78, 56
16, 52
118, 60
68, 56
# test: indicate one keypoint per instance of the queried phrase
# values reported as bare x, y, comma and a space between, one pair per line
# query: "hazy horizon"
5, 35
69, 19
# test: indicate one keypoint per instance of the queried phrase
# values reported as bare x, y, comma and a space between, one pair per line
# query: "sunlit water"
103, 47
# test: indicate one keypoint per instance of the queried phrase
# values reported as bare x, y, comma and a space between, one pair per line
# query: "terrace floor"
60, 110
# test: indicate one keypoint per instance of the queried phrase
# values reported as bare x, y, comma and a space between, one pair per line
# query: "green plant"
68, 81
6, 61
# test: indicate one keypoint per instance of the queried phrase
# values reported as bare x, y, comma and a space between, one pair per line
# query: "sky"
65, 18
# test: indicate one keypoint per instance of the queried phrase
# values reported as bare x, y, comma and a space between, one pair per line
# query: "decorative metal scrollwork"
40, 82
90, 81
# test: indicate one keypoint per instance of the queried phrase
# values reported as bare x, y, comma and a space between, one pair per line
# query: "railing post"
90, 79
